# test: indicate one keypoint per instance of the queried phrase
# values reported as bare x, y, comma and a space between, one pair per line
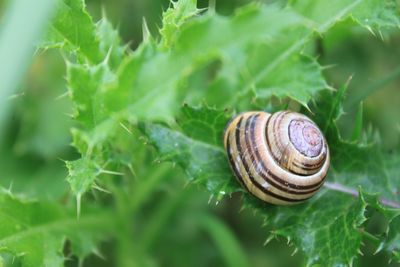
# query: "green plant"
169, 101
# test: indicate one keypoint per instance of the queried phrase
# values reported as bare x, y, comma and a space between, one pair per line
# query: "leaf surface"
35, 232
260, 51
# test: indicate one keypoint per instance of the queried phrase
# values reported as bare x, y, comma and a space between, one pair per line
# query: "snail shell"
280, 158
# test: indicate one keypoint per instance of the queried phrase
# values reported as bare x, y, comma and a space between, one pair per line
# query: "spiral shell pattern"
280, 158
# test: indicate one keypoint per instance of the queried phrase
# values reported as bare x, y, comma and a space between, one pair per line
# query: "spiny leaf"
325, 228
82, 174
369, 13
203, 124
35, 232
156, 98
390, 238
385, 14
110, 43
353, 163
84, 82
173, 19
203, 163
73, 28
149, 84
391, 163
281, 51
299, 78
87, 86
198, 152
199, 42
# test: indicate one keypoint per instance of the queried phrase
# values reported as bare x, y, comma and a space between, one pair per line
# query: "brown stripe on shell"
232, 163
231, 136
249, 174
277, 120
259, 158
284, 160
268, 180
312, 186
266, 174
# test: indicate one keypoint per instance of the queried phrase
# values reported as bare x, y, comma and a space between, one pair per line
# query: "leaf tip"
145, 31
269, 238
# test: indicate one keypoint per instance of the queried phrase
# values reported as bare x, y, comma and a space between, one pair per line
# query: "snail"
280, 158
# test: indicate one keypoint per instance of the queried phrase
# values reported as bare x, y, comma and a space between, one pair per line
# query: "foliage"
35, 232
175, 92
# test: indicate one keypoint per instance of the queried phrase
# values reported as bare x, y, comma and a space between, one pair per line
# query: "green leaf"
203, 124
82, 174
203, 163
100, 93
35, 232
198, 150
199, 42
373, 14
391, 163
309, 231
353, 163
110, 43
390, 237
111, 93
282, 51
299, 78
156, 98
31, 179
325, 228
332, 236
259, 51
173, 19
84, 82
73, 29
385, 14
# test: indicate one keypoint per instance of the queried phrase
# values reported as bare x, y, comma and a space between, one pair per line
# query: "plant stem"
144, 190
211, 5
158, 222
353, 192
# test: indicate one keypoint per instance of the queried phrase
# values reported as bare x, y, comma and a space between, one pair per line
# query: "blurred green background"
36, 138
